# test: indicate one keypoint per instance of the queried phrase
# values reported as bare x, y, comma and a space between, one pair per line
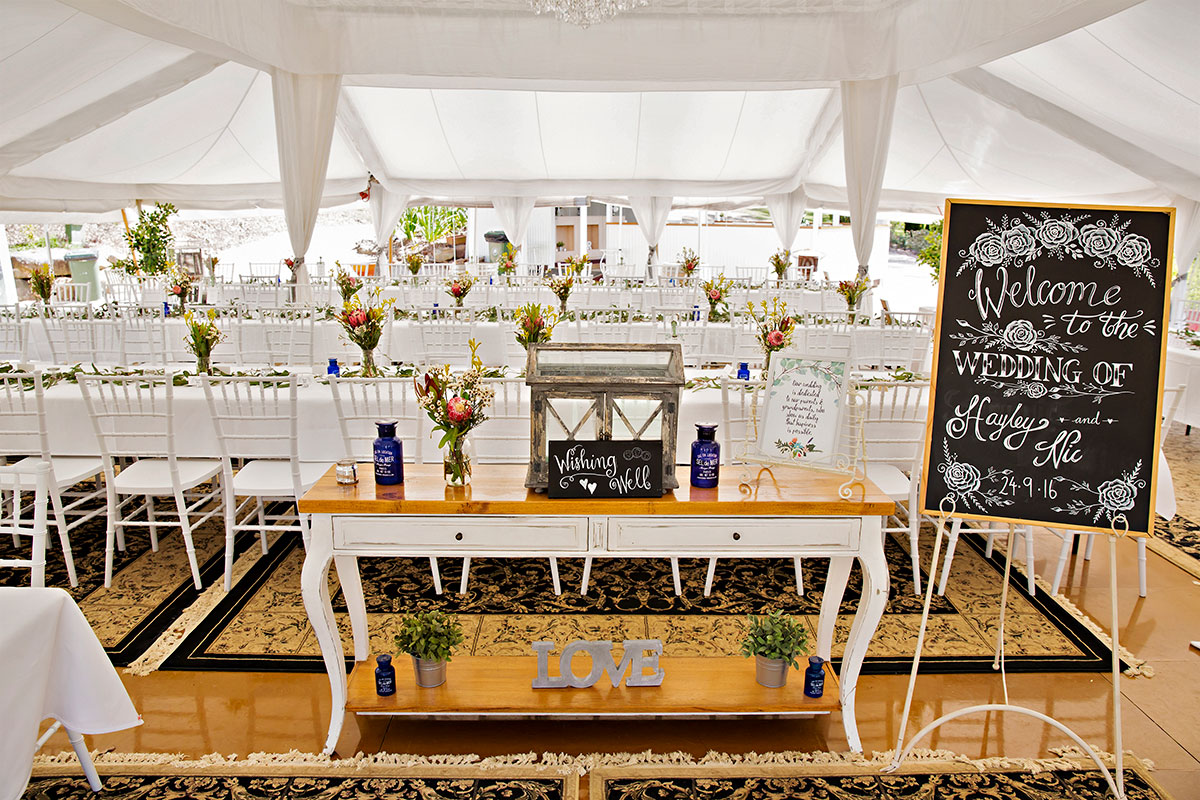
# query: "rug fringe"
191, 617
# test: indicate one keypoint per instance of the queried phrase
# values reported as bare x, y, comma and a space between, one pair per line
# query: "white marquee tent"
857, 105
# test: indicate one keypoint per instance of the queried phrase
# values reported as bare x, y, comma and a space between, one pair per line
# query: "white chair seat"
68, 470
890, 480
150, 475
266, 478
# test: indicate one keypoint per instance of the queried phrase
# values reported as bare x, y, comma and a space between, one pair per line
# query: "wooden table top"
500, 489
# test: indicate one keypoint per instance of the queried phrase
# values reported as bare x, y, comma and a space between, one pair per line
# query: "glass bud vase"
457, 461
369, 370
458, 301
562, 306
850, 313
204, 364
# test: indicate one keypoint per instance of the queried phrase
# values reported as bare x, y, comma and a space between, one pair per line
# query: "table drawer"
419, 534
733, 533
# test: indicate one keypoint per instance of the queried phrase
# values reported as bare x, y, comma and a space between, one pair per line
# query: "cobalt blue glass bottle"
389, 456
706, 457
814, 677
333, 368
385, 676
743, 371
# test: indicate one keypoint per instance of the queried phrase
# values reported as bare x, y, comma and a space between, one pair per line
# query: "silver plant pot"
770, 672
429, 673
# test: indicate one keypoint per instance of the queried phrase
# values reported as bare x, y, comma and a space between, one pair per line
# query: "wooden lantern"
602, 391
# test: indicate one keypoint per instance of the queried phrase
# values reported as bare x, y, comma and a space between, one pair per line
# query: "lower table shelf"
487, 685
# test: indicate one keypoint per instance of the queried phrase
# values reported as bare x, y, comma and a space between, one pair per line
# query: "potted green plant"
429, 637
776, 641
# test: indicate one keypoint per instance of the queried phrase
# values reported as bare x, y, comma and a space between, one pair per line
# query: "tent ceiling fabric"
105, 101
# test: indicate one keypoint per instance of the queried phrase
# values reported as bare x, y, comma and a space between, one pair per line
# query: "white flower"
960, 477
1098, 241
988, 249
1035, 390
1133, 251
1020, 334
1055, 233
1019, 241
1117, 495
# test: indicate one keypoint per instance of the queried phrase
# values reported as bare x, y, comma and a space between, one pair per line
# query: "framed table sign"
1048, 362
605, 468
803, 412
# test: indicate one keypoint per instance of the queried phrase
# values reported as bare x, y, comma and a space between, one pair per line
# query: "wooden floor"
202, 712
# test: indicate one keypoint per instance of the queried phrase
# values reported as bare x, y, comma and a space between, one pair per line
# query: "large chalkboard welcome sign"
1048, 356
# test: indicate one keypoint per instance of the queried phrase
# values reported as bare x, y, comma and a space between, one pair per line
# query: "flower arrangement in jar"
576, 265
363, 326
507, 262
41, 282
774, 327
853, 291
459, 287
780, 261
560, 286
689, 262
179, 285
347, 283
535, 323
414, 261
202, 336
716, 292
456, 405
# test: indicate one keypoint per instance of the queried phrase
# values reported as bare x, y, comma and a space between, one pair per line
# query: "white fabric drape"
867, 111
651, 213
514, 217
305, 110
787, 210
1187, 232
386, 208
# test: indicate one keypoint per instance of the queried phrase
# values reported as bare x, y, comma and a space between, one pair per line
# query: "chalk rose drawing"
1016, 241
1035, 389
965, 482
1110, 498
1020, 334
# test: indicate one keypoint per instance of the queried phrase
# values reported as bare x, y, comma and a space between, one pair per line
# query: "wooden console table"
797, 514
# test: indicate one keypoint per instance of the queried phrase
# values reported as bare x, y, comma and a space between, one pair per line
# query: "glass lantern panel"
636, 418
569, 418
569, 362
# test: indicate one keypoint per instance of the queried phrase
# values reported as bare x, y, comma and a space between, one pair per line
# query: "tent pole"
132, 253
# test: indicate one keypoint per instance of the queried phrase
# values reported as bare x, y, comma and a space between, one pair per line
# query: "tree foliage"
151, 240
433, 223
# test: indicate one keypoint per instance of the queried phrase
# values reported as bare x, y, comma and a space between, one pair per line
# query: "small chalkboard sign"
1048, 358
608, 468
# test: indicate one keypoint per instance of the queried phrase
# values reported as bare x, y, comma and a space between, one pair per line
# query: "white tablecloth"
52, 666
1183, 368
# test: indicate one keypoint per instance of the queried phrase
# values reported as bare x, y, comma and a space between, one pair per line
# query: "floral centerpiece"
507, 263
456, 405
179, 285
689, 262
459, 287
414, 262
577, 264
535, 324
774, 327
853, 292
212, 267
347, 283
202, 336
780, 262
560, 286
716, 291
41, 282
363, 325
290, 263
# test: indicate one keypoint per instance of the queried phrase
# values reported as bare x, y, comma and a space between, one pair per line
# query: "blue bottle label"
389, 466
385, 682
706, 464
814, 682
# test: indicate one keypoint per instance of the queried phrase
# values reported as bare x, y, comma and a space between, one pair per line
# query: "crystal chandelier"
585, 12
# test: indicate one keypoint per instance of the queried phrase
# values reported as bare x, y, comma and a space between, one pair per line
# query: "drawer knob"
737, 536
458, 536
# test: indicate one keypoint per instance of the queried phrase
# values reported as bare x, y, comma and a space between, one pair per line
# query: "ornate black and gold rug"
149, 590
916, 780
261, 625
1178, 541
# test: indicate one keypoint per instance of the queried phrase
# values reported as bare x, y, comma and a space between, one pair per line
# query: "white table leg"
314, 587
587, 575
85, 759
835, 589
866, 620
356, 602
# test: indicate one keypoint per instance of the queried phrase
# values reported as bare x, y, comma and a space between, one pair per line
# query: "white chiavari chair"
12, 334
902, 344
609, 327
144, 340
260, 295
689, 329
445, 337
25, 431
71, 292
277, 338
746, 345
256, 421
823, 336
262, 271
15, 481
68, 333
122, 288
134, 417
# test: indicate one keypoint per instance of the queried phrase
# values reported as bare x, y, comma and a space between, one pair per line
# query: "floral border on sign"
1013, 242
964, 482
795, 449
1017, 335
1113, 497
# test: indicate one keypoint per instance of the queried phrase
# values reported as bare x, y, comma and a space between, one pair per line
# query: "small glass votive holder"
346, 472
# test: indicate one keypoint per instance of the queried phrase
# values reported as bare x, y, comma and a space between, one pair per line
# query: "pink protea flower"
714, 295
356, 318
177, 289
775, 338
458, 410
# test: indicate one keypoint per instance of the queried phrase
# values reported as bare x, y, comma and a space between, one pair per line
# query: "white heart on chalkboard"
590, 486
